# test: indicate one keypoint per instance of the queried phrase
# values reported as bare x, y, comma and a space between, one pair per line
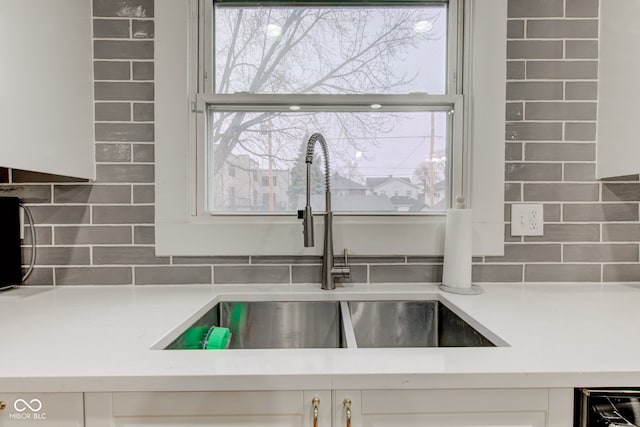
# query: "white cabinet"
453, 408
368, 408
191, 409
618, 89
46, 87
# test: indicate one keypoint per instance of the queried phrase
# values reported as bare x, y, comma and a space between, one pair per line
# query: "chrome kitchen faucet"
330, 272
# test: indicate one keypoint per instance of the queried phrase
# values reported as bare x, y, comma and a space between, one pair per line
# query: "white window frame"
181, 229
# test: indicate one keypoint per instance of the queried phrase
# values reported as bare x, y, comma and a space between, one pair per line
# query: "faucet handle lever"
346, 258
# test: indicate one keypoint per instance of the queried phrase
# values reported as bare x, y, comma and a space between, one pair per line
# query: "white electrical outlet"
527, 219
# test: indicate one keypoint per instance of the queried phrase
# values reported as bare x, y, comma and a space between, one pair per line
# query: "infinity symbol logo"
21, 405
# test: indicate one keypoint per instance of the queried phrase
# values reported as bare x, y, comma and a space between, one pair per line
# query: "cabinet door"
191, 409
618, 89
46, 87
442, 408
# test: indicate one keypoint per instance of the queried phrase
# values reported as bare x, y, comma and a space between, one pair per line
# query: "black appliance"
10, 249
610, 407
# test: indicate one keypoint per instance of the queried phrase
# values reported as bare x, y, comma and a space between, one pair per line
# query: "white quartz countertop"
99, 338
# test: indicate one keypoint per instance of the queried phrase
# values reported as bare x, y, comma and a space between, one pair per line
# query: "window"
377, 79
217, 129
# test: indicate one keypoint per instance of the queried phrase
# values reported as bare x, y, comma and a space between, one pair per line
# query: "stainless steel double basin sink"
340, 324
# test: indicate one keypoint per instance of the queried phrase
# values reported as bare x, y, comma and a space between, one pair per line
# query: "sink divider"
347, 325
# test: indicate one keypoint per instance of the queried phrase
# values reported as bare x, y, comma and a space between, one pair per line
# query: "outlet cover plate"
527, 219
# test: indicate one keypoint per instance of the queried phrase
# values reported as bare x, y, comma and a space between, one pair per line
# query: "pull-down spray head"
307, 217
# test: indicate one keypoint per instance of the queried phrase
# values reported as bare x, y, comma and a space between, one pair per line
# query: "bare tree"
317, 50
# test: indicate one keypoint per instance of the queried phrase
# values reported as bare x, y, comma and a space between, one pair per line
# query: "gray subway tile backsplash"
144, 235
560, 152
113, 111
123, 214
577, 70
143, 70
92, 234
61, 214
41, 276
600, 252
562, 28
581, 49
535, 90
111, 28
94, 276
143, 153
603, 212
496, 273
535, 49
132, 173
515, 28
113, 152
581, 91
560, 192
532, 131
514, 111
141, 132
142, 29
127, 255
28, 193
621, 232
529, 253
612, 191
585, 131
143, 112
579, 171
92, 194
535, 9
172, 275
103, 232
560, 110
117, 49
409, 273
210, 260
143, 194
621, 272
533, 172
111, 70
123, 91
513, 151
313, 274
562, 272
123, 8
59, 255
568, 233
516, 70
251, 274
44, 235
581, 8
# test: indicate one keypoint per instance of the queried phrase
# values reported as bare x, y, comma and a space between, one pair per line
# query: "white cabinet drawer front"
458, 401
207, 403
507, 419
193, 421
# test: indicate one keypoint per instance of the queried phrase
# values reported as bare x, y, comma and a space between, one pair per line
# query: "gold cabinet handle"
347, 407
316, 404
